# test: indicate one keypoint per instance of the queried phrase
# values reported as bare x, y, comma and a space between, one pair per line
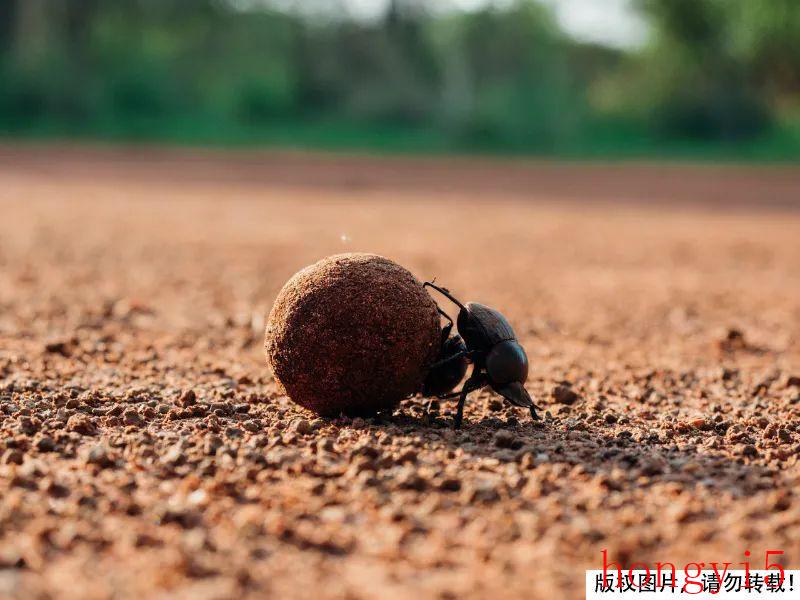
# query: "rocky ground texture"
146, 452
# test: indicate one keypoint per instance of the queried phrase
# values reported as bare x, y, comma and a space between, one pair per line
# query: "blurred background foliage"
718, 78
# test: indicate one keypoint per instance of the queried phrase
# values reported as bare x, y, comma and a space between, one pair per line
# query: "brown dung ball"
352, 334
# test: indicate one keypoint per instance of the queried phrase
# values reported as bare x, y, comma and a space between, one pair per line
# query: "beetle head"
506, 363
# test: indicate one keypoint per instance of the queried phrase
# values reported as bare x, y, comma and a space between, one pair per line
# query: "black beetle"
486, 339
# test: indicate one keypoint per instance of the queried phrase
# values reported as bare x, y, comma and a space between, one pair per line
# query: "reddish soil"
146, 452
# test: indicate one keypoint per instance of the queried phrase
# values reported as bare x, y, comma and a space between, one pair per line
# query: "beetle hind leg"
447, 329
444, 292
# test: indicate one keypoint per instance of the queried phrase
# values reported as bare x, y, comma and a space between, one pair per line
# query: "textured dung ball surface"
352, 334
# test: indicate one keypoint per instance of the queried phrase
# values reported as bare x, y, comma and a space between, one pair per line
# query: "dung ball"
353, 334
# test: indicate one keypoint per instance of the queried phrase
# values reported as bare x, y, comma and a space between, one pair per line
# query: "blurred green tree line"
714, 74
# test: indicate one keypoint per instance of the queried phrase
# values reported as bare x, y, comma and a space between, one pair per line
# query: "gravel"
145, 450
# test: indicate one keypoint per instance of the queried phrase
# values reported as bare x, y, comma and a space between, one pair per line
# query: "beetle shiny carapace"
485, 339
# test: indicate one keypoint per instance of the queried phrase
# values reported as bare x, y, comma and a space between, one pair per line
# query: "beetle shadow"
622, 458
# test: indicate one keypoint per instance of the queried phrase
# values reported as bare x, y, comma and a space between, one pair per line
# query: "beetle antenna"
444, 292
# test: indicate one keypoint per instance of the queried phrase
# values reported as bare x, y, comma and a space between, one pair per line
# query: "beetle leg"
475, 382
449, 395
447, 329
460, 409
444, 292
451, 358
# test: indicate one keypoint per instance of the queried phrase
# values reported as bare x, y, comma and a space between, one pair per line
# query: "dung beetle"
485, 338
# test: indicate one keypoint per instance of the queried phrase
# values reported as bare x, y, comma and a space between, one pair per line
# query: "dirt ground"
145, 450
